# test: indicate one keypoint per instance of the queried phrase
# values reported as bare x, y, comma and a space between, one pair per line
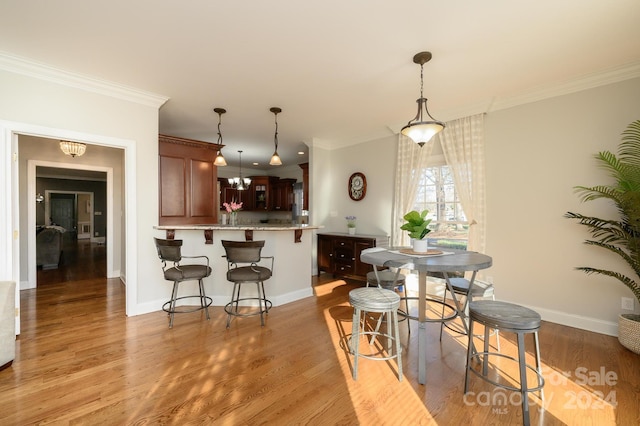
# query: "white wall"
60, 109
535, 155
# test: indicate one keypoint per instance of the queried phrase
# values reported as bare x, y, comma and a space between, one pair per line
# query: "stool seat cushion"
187, 272
498, 314
248, 274
479, 289
374, 299
387, 279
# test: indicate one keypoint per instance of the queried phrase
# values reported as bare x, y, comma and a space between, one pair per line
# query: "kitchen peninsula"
291, 245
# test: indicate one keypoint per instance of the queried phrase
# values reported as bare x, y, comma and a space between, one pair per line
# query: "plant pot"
352, 231
420, 246
629, 331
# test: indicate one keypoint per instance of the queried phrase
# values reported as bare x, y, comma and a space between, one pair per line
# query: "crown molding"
44, 72
585, 82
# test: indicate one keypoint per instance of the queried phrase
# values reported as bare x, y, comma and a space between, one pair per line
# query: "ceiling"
341, 71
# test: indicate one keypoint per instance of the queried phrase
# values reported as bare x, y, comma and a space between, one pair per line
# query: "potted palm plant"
622, 234
418, 229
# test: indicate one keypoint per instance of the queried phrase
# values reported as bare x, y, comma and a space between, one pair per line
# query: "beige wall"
535, 154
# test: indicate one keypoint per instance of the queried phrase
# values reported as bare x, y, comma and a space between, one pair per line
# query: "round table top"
449, 261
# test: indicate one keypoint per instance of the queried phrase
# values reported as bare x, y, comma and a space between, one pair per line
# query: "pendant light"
74, 149
421, 129
219, 161
239, 182
275, 158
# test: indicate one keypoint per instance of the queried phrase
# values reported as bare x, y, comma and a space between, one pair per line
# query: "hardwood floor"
80, 360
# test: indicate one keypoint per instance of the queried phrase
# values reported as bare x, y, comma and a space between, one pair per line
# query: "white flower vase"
420, 246
352, 230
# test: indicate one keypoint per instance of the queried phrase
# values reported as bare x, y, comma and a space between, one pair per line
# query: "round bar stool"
391, 281
385, 302
514, 318
479, 290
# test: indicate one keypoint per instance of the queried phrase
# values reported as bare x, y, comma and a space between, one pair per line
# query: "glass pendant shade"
275, 160
74, 149
220, 161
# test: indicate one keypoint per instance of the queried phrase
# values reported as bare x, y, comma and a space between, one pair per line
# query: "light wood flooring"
80, 360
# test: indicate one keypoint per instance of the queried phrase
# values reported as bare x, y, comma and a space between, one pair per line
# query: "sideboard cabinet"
339, 254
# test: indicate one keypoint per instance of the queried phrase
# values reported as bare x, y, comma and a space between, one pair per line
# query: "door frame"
31, 213
10, 204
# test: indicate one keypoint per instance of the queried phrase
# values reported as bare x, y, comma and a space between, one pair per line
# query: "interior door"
63, 210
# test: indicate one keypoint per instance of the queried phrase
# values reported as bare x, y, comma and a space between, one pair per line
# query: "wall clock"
357, 186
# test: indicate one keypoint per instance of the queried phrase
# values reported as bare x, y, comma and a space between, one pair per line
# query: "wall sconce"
74, 149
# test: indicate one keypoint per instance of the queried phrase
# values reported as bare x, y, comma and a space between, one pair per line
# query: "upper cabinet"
266, 193
187, 180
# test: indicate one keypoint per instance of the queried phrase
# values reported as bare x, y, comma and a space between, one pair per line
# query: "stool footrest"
450, 317
167, 309
230, 307
502, 385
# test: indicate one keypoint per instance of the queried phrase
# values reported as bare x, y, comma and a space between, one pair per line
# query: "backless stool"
170, 251
391, 281
376, 300
505, 317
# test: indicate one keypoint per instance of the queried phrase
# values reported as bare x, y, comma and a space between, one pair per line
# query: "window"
437, 193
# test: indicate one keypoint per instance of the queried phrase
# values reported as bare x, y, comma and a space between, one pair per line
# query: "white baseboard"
26, 285
577, 321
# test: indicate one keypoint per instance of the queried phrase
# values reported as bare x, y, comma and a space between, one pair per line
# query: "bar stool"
170, 251
513, 318
378, 300
391, 281
242, 267
460, 287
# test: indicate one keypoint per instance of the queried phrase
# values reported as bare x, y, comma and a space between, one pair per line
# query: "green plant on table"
416, 224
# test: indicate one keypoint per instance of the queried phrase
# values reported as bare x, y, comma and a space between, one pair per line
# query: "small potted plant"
418, 228
233, 208
619, 235
351, 224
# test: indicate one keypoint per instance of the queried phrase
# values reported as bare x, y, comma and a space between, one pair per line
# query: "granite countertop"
241, 227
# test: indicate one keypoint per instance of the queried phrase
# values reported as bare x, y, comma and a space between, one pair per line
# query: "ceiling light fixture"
219, 161
239, 182
74, 149
419, 129
275, 158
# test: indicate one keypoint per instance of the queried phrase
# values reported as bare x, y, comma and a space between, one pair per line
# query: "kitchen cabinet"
187, 181
282, 199
339, 254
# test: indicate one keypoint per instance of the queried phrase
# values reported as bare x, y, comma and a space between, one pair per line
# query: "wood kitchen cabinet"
282, 199
339, 254
187, 181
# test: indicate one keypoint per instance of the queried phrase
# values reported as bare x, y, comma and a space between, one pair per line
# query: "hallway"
80, 260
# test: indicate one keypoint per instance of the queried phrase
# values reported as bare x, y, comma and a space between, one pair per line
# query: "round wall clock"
357, 186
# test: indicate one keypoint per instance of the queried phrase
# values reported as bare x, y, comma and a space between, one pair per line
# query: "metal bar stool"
170, 251
460, 287
508, 317
243, 259
391, 281
378, 300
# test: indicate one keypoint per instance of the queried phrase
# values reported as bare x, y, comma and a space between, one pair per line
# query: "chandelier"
421, 129
239, 182
275, 158
219, 161
74, 149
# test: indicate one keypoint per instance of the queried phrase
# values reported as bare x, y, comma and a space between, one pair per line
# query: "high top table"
449, 262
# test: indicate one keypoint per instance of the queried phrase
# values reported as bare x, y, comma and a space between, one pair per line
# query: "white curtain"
411, 158
462, 142
463, 146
